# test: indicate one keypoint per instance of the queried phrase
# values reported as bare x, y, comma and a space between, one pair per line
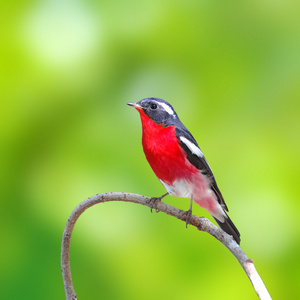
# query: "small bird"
178, 162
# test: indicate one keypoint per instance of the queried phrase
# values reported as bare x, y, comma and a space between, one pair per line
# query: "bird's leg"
188, 217
154, 200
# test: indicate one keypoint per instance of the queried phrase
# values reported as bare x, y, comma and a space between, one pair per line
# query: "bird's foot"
154, 201
187, 215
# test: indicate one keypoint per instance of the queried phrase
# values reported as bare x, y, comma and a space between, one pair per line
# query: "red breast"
163, 152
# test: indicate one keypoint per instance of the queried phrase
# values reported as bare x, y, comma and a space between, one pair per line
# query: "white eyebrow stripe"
167, 108
194, 149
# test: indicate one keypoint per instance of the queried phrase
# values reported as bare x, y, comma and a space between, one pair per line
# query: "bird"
179, 163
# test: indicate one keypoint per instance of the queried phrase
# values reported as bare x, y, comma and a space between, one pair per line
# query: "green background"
231, 69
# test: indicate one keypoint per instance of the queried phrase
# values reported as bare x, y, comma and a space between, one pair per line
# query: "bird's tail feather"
229, 228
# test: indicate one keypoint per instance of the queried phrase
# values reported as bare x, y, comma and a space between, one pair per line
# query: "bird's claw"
153, 202
187, 215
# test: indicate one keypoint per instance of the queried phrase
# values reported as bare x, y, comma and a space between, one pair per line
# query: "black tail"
229, 228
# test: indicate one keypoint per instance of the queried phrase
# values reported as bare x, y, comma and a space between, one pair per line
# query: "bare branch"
202, 224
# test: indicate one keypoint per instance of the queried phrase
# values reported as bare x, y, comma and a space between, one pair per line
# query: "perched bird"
178, 162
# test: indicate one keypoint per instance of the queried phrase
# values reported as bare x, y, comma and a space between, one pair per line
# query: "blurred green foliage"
230, 69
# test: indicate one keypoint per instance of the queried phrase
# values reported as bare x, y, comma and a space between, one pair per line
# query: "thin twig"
202, 224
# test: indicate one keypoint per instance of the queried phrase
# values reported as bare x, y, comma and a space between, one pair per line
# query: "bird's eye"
153, 106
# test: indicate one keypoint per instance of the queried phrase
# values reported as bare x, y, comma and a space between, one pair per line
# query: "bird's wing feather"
197, 159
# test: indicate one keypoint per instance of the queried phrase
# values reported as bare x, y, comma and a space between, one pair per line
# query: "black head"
158, 110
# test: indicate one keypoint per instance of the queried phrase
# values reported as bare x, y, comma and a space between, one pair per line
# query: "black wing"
199, 161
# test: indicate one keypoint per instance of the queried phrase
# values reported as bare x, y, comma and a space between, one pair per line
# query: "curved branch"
202, 224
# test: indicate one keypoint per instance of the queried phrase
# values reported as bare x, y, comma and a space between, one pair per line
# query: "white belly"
198, 191
179, 188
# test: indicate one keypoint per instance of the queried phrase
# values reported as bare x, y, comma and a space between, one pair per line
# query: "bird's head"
158, 110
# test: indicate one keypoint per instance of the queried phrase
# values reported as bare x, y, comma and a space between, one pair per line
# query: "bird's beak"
134, 104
